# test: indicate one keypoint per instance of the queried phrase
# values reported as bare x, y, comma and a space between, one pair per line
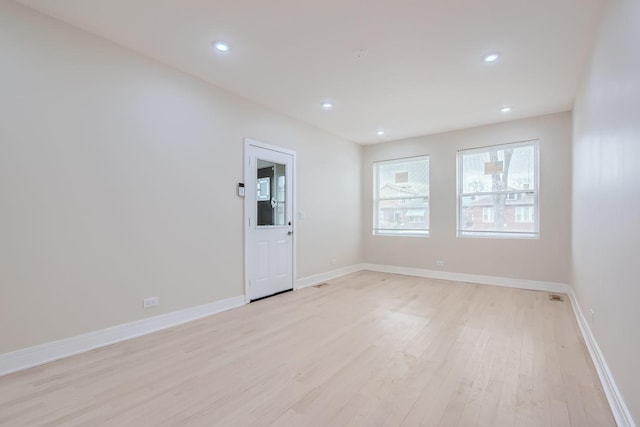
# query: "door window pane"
271, 193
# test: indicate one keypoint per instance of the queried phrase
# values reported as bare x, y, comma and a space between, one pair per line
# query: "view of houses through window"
401, 196
498, 190
497, 193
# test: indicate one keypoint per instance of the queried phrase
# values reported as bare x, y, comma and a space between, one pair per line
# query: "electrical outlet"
440, 263
150, 302
593, 314
333, 261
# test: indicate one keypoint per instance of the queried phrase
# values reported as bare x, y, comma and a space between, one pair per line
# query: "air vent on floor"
556, 297
319, 285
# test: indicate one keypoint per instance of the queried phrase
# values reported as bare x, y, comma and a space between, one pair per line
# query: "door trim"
247, 170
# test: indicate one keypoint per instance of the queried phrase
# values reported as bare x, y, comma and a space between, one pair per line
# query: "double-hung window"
498, 191
401, 197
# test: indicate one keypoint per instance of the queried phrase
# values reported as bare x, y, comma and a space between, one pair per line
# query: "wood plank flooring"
369, 349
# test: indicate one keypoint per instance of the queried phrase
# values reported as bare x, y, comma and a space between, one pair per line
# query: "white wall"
606, 195
118, 181
545, 259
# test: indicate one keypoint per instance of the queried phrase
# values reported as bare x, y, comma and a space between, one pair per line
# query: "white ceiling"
423, 72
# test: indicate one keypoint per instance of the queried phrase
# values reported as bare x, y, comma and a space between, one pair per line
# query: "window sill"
498, 235
401, 233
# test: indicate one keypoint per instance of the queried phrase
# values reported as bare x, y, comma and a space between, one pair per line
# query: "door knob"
290, 233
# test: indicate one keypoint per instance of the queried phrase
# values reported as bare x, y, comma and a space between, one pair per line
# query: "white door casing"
268, 218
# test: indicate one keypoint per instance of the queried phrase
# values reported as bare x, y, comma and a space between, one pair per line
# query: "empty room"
338, 213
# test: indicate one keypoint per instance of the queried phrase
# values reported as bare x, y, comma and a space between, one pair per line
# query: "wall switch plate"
150, 302
440, 263
333, 261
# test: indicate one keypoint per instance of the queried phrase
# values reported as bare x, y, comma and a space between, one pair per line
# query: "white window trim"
536, 192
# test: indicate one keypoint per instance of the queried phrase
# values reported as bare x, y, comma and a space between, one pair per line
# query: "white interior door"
268, 220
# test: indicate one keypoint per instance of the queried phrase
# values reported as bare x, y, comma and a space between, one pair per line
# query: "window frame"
488, 234
376, 199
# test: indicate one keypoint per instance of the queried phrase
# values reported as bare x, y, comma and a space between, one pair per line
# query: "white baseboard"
618, 407
48, 352
323, 277
533, 285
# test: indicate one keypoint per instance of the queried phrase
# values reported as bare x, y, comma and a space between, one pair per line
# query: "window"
264, 189
401, 197
498, 191
524, 213
416, 216
402, 177
487, 215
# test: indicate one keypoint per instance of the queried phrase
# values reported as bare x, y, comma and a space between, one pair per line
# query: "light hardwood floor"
368, 349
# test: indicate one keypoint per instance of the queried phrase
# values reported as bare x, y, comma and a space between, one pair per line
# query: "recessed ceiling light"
327, 105
221, 46
380, 132
491, 57
505, 109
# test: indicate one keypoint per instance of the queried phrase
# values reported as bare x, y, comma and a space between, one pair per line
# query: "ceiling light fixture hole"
360, 53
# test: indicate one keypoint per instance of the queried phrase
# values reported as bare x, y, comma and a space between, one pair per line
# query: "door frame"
247, 177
